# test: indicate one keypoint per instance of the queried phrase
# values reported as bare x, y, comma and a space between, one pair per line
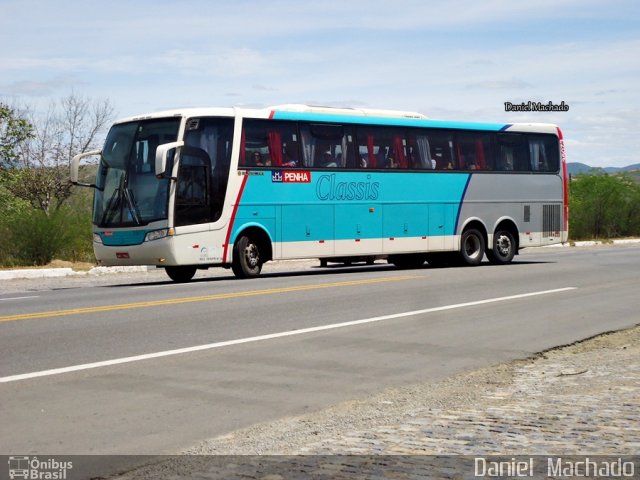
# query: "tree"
14, 131
41, 166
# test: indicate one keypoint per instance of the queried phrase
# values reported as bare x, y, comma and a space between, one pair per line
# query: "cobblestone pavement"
582, 399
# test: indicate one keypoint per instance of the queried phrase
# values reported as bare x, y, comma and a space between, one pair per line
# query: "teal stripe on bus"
344, 205
122, 238
387, 121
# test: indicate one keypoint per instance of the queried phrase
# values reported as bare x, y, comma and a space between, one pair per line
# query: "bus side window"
420, 153
327, 146
382, 147
505, 158
268, 143
544, 153
441, 150
398, 156
513, 152
474, 151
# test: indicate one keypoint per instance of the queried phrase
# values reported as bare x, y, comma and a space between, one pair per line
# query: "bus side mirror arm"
75, 166
161, 158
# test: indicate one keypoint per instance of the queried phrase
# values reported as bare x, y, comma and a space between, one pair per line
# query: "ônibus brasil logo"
40, 469
291, 176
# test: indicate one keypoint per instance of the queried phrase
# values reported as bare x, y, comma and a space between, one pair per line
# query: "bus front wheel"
247, 258
472, 247
504, 248
180, 274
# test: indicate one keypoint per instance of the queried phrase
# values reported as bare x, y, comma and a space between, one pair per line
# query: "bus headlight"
96, 238
158, 234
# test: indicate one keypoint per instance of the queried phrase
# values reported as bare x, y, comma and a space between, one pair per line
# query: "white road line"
259, 338
18, 298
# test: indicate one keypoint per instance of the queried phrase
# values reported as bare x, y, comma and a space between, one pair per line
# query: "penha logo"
291, 176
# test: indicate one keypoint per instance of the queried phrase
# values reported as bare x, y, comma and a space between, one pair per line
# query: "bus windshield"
128, 192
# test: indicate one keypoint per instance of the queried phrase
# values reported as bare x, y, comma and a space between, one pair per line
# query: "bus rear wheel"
472, 247
247, 258
180, 274
504, 248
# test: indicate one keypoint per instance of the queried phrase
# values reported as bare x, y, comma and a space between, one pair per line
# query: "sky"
452, 60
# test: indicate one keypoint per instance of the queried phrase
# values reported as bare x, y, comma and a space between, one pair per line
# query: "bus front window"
128, 192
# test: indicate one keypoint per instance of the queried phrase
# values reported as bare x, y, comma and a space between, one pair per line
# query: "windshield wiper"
131, 204
113, 205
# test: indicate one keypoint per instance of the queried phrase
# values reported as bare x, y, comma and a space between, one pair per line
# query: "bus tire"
181, 274
247, 258
504, 248
472, 247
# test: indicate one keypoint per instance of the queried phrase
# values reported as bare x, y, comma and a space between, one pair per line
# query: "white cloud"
459, 60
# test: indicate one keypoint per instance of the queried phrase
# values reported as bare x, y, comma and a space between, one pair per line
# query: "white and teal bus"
233, 187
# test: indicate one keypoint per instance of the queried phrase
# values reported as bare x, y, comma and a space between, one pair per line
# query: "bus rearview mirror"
161, 157
75, 166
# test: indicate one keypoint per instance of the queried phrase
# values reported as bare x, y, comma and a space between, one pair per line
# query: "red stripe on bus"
273, 112
233, 219
565, 180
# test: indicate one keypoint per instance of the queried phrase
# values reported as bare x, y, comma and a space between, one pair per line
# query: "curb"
30, 273
592, 243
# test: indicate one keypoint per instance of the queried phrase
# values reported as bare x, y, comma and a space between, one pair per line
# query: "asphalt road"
152, 367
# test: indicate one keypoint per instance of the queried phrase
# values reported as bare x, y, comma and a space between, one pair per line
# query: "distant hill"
575, 168
628, 168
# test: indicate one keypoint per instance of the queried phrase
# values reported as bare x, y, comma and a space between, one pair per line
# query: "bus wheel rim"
252, 254
472, 246
503, 245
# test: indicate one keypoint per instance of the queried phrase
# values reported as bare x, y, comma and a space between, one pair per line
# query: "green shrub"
31, 238
604, 206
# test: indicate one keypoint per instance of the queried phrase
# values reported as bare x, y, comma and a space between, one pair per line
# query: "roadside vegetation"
604, 206
42, 217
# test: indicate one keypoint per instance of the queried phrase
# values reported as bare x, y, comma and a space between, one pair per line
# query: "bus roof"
365, 112
346, 115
